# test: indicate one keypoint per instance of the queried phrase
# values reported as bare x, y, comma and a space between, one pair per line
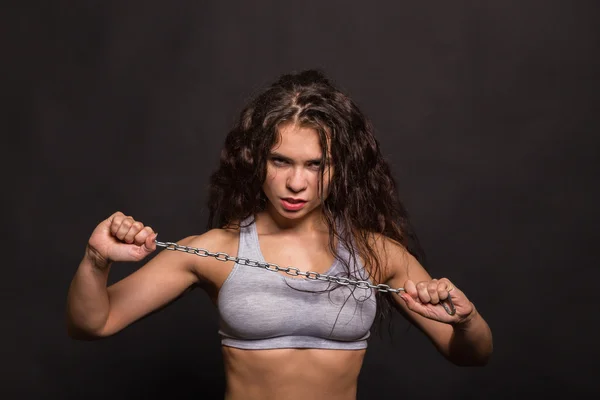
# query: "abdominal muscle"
291, 373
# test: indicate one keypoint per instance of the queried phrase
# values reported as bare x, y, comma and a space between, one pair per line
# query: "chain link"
292, 271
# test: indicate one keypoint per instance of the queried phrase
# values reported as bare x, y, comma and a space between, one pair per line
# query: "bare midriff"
291, 373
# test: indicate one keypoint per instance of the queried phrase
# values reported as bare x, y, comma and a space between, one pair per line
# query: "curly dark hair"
362, 200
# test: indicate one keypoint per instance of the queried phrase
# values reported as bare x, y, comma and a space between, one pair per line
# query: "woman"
301, 183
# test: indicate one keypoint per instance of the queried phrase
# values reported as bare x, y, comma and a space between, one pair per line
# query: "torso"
292, 373
284, 373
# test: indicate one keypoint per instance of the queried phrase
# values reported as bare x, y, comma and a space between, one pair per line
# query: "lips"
294, 201
291, 204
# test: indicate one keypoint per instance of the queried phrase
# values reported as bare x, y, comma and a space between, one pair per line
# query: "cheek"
271, 179
271, 174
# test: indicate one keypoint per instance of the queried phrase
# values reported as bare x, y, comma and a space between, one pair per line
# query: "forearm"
471, 343
87, 301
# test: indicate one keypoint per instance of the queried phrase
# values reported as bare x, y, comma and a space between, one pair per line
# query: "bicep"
164, 278
402, 266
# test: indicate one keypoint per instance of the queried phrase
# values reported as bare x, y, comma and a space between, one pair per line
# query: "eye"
314, 164
278, 161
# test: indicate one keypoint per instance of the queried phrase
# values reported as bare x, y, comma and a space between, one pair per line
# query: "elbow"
480, 359
83, 333
485, 358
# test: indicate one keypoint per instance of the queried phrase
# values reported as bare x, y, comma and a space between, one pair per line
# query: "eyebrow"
279, 155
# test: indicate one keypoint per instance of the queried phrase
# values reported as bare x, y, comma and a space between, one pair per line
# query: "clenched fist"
426, 298
120, 238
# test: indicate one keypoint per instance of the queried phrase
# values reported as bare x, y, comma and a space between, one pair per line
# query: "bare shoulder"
209, 270
395, 259
214, 240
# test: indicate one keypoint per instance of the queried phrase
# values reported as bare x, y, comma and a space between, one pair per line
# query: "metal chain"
292, 271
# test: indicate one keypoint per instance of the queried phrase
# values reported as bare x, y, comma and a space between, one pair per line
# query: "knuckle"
137, 225
114, 227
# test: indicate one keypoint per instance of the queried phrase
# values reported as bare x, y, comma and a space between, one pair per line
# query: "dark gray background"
487, 111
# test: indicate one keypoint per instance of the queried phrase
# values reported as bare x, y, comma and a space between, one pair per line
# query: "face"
292, 183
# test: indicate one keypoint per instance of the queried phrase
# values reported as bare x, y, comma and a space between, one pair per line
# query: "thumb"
139, 252
149, 244
410, 302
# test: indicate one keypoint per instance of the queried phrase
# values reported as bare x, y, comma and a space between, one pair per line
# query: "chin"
297, 214
293, 214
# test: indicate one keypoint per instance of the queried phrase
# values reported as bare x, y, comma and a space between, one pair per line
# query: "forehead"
298, 142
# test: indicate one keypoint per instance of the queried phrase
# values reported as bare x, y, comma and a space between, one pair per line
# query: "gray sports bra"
261, 309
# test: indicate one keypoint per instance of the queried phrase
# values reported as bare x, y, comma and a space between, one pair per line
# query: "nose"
296, 181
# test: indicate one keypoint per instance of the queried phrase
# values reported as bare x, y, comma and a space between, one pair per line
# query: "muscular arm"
95, 310
87, 300
464, 339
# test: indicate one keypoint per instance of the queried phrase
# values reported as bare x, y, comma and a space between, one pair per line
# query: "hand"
120, 238
425, 298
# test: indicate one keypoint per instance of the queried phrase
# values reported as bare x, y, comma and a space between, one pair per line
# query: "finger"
432, 291
123, 227
411, 289
411, 303
115, 222
423, 293
134, 230
444, 288
142, 235
150, 244
116, 214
